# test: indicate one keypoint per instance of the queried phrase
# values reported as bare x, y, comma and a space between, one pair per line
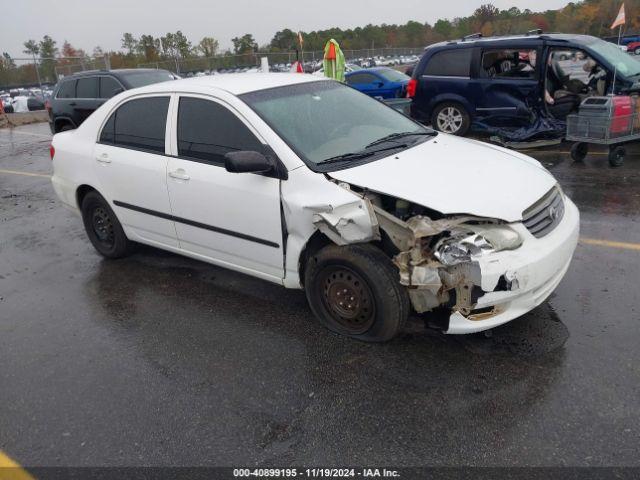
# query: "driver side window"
207, 131
575, 72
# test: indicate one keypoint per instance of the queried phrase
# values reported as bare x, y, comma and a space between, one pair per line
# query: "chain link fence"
36, 72
220, 62
41, 72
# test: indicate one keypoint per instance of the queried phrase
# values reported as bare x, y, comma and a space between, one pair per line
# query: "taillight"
411, 88
52, 151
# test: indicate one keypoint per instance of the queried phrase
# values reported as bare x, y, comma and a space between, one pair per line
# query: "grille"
544, 215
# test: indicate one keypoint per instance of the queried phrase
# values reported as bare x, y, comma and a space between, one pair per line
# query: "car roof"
369, 69
473, 40
234, 83
116, 72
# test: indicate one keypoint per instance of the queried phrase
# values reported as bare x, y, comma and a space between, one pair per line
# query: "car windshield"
623, 62
140, 79
326, 121
393, 75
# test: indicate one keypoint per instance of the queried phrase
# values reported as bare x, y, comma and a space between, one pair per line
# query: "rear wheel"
451, 118
354, 290
637, 51
103, 228
65, 127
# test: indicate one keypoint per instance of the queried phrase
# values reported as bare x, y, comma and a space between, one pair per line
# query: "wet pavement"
160, 360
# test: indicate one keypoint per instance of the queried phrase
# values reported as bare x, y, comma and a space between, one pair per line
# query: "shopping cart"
607, 121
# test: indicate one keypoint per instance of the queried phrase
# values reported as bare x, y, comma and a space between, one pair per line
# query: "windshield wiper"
394, 136
361, 154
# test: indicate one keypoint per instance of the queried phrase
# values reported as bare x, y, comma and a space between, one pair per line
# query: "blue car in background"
379, 82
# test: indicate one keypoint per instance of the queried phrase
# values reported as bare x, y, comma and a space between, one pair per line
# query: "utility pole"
35, 64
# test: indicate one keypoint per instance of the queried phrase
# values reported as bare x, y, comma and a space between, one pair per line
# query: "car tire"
354, 290
636, 51
452, 118
65, 127
103, 228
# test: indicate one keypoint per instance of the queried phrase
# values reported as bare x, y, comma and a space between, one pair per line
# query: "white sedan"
310, 184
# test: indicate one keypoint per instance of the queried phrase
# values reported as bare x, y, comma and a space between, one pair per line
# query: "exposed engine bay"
436, 255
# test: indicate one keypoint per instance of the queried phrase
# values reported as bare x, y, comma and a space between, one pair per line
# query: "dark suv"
77, 96
500, 81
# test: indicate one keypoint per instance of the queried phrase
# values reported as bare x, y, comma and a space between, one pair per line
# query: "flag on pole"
620, 19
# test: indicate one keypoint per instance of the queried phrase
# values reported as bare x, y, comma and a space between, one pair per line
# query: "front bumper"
537, 267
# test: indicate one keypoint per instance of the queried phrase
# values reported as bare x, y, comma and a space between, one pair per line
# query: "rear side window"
139, 124
109, 87
67, 89
208, 130
87, 87
450, 63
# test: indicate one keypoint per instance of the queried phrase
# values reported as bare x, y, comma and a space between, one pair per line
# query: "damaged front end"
440, 261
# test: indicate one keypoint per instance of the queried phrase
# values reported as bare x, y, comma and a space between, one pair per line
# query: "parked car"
634, 47
379, 82
77, 96
500, 80
310, 184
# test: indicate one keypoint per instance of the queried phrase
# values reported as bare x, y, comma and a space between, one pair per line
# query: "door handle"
72, 104
103, 158
179, 174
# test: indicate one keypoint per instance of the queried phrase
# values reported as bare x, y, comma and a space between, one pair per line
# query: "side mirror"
379, 84
246, 161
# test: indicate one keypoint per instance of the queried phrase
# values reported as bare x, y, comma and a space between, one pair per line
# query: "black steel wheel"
355, 290
616, 156
347, 298
103, 228
579, 151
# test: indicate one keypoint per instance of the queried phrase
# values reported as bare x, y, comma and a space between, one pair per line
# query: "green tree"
129, 43
48, 52
208, 46
7, 61
149, 48
284, 40
244, 44
182, 44
444, 28
31, 47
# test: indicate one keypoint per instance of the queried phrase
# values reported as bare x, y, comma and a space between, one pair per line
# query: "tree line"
591, 17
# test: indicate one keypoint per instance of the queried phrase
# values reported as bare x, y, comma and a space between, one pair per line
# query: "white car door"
132, 168
232, 219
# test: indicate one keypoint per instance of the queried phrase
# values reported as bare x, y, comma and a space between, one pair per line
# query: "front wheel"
637, 51
354, 290
451, 118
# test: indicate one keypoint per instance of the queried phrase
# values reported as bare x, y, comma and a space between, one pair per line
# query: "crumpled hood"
457, 176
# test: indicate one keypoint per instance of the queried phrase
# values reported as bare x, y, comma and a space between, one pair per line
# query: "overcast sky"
87, 23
